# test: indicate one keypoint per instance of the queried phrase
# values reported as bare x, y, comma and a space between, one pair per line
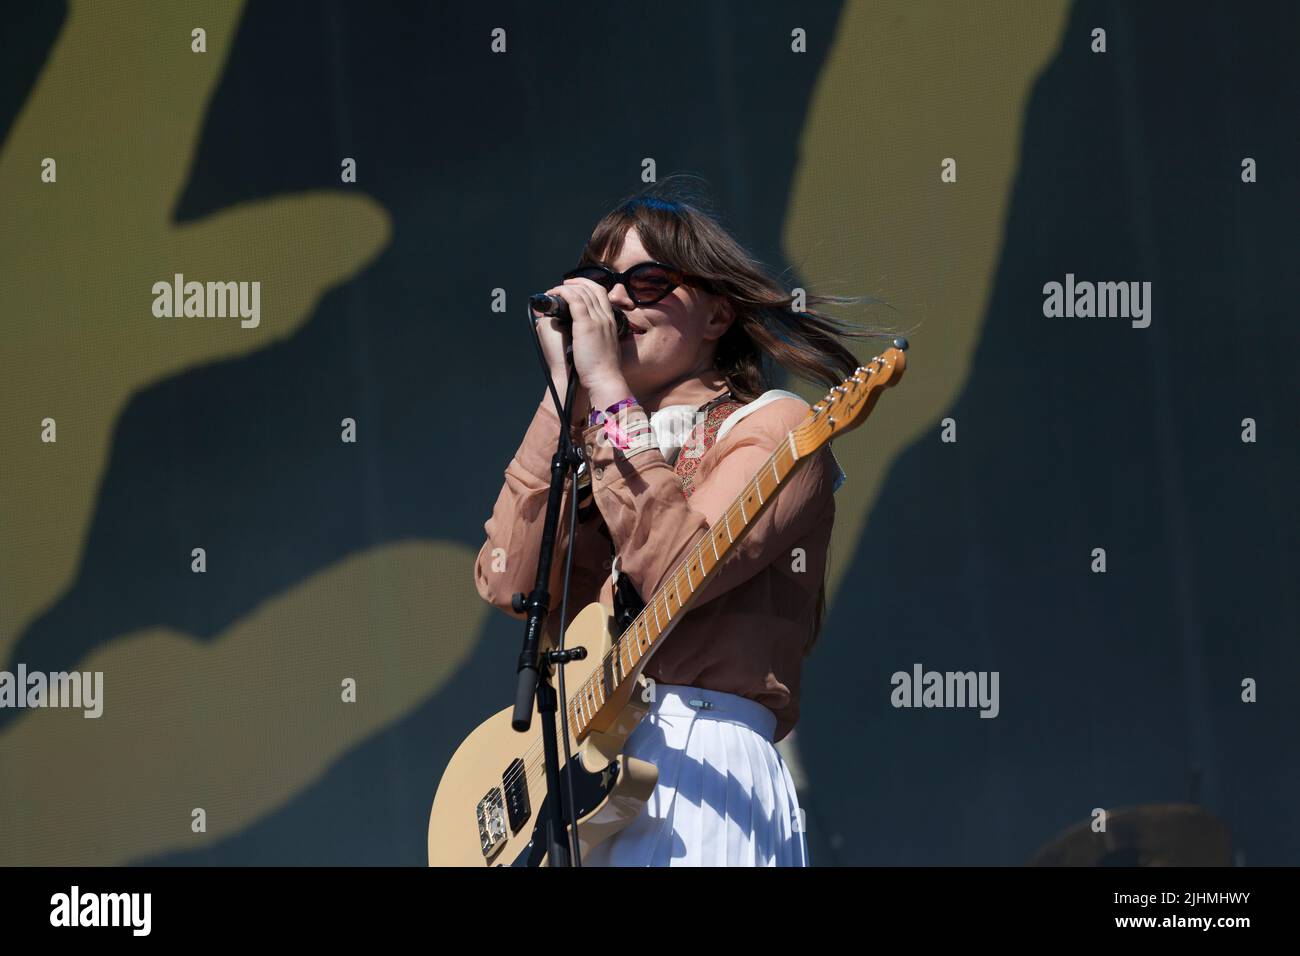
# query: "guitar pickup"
515, 783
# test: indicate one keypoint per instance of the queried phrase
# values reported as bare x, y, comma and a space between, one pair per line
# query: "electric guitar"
491, 805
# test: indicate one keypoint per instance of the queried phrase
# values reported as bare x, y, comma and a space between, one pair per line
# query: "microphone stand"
535, 666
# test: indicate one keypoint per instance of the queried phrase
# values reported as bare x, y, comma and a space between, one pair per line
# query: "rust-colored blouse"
749, 632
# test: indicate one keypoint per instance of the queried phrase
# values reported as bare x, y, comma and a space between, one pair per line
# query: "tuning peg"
900, 343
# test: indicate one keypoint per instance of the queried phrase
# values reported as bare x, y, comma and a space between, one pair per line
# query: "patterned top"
701, 440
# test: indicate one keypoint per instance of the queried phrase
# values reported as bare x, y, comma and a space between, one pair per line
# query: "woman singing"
677, 416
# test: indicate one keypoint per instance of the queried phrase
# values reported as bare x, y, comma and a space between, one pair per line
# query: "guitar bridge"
491, 812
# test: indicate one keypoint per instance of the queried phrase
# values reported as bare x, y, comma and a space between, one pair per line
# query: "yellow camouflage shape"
901, 80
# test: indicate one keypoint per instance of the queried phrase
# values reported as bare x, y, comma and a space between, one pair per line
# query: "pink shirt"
750, 631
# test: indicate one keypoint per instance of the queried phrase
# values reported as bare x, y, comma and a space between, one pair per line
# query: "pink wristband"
619, 437
599, 415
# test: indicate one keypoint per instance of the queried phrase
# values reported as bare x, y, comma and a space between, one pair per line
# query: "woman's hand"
554, 339
596, 349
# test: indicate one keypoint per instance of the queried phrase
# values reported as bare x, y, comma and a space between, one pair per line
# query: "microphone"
558, 309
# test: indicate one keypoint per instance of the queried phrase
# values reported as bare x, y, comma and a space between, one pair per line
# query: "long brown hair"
767, 331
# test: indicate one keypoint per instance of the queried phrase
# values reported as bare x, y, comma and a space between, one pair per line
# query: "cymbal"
1172, 834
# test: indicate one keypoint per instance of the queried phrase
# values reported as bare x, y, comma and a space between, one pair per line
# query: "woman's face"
671, 338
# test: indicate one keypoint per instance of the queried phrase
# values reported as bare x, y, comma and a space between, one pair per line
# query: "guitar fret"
759, 488
775, 474
659, 627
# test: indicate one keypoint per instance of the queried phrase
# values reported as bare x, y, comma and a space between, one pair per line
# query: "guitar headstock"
847, 405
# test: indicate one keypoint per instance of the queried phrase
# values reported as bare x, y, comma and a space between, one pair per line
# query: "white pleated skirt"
724, 797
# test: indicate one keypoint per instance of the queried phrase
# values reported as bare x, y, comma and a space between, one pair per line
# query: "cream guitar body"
489, 805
